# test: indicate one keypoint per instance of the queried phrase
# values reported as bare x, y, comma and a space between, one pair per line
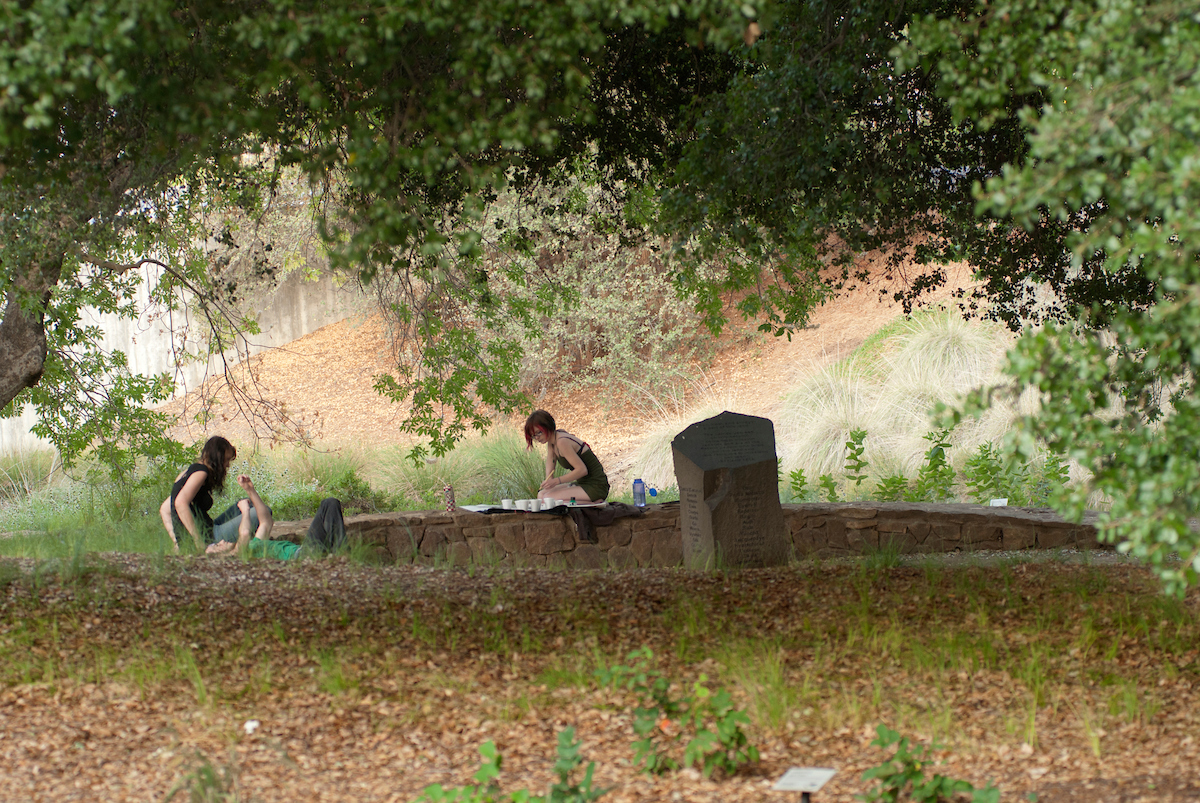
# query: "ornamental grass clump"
888, 388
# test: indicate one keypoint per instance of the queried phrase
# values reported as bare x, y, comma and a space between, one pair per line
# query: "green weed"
856, 466
902, 777
662, 720
575, 669
798, 485
885, 556
331, 675
487, 788
208, 783
760, 670
935, 479
185, 665
688, 618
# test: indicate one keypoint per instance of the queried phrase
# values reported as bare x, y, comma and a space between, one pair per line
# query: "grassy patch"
1040, 657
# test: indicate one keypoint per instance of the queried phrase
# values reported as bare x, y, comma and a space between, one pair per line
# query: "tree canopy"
1052, 144
127, 127
1116, 137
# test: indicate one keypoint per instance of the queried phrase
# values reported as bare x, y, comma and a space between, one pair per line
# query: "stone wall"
818, 530
830, 530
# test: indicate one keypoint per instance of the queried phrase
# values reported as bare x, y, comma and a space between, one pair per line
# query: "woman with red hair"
585, 480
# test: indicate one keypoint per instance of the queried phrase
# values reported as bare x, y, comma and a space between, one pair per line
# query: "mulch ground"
335, 681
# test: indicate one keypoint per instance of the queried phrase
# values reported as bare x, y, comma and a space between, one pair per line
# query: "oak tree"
125, 125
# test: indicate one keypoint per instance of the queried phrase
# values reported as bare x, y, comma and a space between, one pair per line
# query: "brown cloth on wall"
587, 519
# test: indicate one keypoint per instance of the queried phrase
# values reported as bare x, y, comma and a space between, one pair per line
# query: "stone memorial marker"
728, 492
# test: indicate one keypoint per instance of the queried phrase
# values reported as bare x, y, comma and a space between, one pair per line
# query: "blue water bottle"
639, 493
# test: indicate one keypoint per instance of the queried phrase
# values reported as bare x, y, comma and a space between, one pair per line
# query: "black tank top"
202, 502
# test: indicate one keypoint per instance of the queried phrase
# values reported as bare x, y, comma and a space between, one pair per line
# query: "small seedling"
829, 486
902, 777
799, 484
662, 721
487, 789
856, 466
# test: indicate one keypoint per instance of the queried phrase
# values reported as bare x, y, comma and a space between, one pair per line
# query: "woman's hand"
552, 482
244, 481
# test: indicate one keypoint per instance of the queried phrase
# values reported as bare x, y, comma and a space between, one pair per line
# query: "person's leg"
327, 533
561, 493
243, 539
227, 526
262, 514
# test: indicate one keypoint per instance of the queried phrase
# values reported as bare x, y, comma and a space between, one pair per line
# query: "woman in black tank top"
191, 499
585, 480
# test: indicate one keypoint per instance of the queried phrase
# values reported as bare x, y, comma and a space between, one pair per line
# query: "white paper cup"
535, 505
522, 504
507, 504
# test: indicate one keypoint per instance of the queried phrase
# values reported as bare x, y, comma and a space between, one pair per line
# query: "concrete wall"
294, 309
819, 530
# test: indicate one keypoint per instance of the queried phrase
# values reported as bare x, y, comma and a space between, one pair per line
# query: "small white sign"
1000, 502
804, 779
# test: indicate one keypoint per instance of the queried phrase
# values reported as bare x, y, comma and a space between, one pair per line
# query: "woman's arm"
549, 465
578, 469
164, 510
183, 505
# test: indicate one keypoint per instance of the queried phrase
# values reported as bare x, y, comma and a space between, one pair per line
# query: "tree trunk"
23, 331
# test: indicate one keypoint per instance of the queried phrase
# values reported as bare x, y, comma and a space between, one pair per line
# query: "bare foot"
220, 548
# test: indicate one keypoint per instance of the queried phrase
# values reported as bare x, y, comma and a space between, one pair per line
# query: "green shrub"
829, 486
856, 466
508, 469
798, 485
902, 777
888, 387
895, 488
604, 314
481, 470
662, 720
990, 474
935, 480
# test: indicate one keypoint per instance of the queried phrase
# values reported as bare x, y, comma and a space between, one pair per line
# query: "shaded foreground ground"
119, 676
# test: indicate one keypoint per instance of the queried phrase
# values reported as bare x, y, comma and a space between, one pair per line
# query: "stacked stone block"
818, 530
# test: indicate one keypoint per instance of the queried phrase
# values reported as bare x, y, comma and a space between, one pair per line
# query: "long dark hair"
217, 454
539, 420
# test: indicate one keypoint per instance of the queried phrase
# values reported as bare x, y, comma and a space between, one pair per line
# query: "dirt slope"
325, 380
